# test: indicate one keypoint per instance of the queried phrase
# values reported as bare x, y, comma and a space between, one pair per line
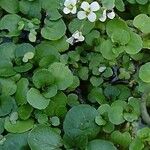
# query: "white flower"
102, 69
70, 6
107, 13
88, 11
28, 56
76, 37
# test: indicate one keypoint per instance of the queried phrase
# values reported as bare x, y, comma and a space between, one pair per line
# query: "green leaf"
2, 125
115, 115
21, 93
92, 36
19, 127
31, 9
55, 121
83, 73
42, 78
142, 22
108, 4
8, 86
98, 144
36, 99
119, 4
6, 105
62, 74
24, 48
79, 121
7, 50
25, 111
136, 144
76, 24
123, 139
142, 2
57, 105
144, 72
10, 23
96, 95
61, 45
115, 25
15, 141
44, 50
120, 36
6, 68
106, 50
53, 30
11, 6
44, 138
135, 44
50, 4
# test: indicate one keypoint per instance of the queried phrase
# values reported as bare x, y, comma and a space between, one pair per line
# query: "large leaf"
15, 141
11, 6
44, 138
79, 121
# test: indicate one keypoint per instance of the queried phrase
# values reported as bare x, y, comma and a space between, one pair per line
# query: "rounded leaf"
144, 72
62, 74
80, 120
44, 138
100, 145
36, 99
53, 30
19, 126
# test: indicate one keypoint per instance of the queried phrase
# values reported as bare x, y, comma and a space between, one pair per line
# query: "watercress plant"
74, 74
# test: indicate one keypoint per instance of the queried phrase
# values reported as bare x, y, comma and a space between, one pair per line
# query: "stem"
144, 112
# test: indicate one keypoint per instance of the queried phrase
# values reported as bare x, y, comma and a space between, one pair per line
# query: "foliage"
74, 74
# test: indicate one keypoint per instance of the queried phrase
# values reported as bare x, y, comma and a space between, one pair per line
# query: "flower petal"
92, 17
67, 3
85, 6
81, 15
73, 2
66, 10
70, 40
111, 15
81, 38
74, 10
95, 6
103, 17
76, 34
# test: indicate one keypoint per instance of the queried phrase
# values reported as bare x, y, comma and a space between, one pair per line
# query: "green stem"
144, 112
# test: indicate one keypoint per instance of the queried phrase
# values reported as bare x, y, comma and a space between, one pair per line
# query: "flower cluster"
88, 11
